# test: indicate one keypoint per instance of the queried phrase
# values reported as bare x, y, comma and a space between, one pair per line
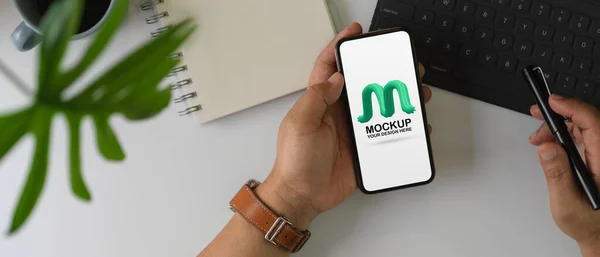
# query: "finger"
541, 135
576, 133
421, 70
583, 115
429, 128
427, 94
326, 65
335, 92
536, 112
312, 105
564, 193
587, 119
544, 135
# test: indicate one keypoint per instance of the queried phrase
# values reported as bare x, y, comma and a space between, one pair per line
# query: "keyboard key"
445, 24
480, 77
563, 39
540, 10
446, 4
428, 39
485, 14
468, 51
501, 3
596, 29
441, 64
596, 74
580, 23
466, 8
508, 63
503, 42
423, 55
448, 47
415, 27
596, 53
524, 26
523, 47
386, 22
565, 83
424, 17
461, 71
484, 35
464, 29
585, 89
550, 76
543, 32
562, 60
429, 3
584, 45
488, 58
521, 5
582, 65
412, 27
505, 21
543, 54
560, 16
398, 9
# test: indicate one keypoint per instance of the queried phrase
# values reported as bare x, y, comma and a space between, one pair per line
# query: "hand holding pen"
570, 207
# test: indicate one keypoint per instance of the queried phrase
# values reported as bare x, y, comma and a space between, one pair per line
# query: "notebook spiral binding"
153, 19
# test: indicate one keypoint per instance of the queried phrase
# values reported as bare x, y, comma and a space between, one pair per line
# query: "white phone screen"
386, 110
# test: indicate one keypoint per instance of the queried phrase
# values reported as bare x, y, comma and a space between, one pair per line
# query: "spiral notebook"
245, 52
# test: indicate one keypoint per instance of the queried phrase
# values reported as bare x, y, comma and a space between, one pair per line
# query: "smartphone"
384, 97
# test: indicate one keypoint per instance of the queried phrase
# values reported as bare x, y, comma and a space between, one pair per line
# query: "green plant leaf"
37, 174
58, 27
136, 66
108, 144
78, 185
141, 103
130, 88
12, 128
103, 37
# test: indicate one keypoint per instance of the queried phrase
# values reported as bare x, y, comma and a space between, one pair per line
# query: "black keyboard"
478, 48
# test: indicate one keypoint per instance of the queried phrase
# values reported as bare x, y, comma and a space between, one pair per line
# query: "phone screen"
387, 112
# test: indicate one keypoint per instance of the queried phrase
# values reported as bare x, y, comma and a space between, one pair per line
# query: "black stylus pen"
534, 76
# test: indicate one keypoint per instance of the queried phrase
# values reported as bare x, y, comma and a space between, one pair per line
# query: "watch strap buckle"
273, 233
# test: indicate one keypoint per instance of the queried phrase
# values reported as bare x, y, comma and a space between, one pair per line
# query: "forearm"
241, 238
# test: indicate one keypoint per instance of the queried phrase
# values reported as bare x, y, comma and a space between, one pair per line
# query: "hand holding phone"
314, 170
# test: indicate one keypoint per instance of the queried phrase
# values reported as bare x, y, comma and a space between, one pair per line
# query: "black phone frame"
350, 121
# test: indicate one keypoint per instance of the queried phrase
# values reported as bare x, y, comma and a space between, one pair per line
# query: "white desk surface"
169, 198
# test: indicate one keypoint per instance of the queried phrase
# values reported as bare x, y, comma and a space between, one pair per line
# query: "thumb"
564, 193
312, 105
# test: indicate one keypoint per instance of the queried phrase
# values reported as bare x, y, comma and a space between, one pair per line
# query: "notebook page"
246, 53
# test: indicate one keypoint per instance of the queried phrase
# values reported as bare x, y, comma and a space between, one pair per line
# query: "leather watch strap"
277, 229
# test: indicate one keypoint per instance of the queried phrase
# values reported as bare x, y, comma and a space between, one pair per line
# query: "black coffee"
93, 12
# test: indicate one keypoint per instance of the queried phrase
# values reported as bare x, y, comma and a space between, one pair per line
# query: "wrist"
285, 202
590, 249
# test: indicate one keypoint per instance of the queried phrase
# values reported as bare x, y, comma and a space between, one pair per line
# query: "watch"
277, 229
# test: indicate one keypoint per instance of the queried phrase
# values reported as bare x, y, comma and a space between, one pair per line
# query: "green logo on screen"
385, 98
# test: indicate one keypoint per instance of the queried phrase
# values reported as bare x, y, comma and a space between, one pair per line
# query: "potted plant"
130, 88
